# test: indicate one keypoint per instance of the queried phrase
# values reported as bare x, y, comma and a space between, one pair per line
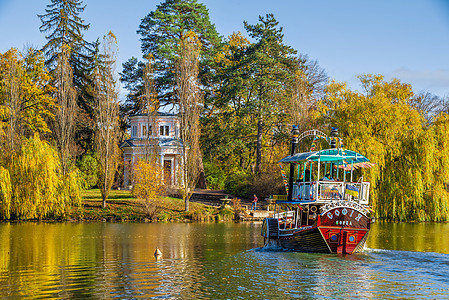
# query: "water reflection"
215, 260
423, 237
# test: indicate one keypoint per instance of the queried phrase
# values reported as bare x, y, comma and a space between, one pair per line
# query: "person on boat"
254, 202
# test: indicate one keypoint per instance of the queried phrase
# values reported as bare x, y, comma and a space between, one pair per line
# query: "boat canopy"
336, 156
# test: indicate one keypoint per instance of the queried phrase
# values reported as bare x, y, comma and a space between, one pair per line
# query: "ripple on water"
210, 262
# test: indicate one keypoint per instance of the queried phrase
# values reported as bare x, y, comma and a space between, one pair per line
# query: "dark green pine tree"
160, 33
272, 71
64, 27
132, 79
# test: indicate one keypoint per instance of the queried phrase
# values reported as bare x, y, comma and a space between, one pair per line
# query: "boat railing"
284, 215
286, 220
329, 191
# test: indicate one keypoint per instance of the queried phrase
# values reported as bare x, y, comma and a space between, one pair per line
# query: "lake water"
215, 261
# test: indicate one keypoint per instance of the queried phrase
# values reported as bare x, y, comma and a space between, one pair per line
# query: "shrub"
225, 214
269, 182
88, 166
238, 184
215, 176
148, 185
237, 208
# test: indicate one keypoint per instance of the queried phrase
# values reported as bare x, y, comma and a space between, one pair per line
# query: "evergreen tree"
229, 132
227, 126
161, 32
132, 79
61, 20
64, 28
272, 67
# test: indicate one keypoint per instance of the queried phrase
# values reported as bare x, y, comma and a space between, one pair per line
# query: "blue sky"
406, 39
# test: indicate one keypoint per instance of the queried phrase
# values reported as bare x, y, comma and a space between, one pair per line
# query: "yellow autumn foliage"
33, 186
147, 180
225, 57
34, 91
412, 158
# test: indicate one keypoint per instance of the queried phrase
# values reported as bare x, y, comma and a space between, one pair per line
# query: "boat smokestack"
334, 134
295, 135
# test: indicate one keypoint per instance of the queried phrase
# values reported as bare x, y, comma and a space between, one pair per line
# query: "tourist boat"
327, 215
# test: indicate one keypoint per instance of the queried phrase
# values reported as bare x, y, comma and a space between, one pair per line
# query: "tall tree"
64, 28
409, 178
227, 135
190, 105
229, 132
62, 21
25, 97
106, 100
272, 67
161, 32
32, 182
64, 127
150, 106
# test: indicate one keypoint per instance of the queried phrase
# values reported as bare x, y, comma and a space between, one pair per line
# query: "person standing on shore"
254, 202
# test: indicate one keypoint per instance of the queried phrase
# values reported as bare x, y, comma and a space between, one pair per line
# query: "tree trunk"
259, 146
186, 203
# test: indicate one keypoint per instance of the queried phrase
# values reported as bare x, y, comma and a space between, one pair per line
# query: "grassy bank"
122, 206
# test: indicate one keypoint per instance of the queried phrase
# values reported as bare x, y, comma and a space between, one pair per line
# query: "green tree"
61, 20
272, 67
88, 167
132, 79
229, 126
161, 32
64, 28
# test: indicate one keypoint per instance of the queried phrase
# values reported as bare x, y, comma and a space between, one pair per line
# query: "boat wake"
271, 246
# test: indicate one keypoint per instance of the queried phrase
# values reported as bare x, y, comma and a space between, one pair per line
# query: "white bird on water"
157, 253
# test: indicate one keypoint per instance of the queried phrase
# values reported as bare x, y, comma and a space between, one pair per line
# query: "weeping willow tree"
32, 180
190, 104
33, 185
410, 176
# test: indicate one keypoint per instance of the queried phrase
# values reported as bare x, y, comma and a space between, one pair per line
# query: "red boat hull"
338, 230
